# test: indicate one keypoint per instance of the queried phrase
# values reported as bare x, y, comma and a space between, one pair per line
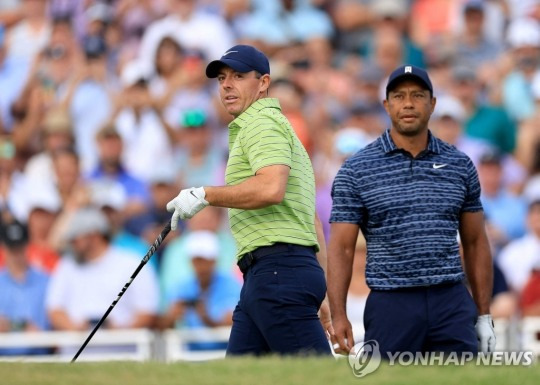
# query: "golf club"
145, 259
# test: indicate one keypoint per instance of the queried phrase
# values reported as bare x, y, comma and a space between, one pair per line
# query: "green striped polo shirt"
261, 136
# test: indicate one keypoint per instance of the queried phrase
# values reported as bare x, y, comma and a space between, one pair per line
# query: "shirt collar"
389, 146
243, 119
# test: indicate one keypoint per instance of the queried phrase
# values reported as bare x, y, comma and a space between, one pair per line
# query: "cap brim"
212, 69
390, 86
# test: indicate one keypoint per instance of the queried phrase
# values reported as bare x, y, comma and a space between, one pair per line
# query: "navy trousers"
278, 306
426, 319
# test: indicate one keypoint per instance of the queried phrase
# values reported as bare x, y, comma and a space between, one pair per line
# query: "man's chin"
410, 130
233, 112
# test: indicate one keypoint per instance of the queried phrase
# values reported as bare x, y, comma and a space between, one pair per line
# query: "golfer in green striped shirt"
270, 194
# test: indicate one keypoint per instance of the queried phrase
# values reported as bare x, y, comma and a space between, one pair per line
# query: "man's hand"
188, 203
485, 333
325, 318
341, 336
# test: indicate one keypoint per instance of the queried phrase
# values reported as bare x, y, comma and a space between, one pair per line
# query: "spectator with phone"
209, 298
89, 99
13, 74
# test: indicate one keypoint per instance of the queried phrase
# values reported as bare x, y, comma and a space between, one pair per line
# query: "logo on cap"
228, 52
408, 69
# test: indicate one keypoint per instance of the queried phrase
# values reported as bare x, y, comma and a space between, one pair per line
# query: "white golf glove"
188, 203
485, 333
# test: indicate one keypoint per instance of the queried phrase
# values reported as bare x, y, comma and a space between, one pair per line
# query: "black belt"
250, 258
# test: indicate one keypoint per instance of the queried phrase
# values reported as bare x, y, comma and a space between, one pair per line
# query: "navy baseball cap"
474, 5
13, 234
408, 72
94, 46
241, 58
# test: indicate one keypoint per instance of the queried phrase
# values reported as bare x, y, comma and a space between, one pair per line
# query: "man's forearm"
479, 269
339, 279
143, 320
61, 321
259, 191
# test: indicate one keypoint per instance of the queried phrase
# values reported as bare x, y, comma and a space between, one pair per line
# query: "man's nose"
407, 101
226, 82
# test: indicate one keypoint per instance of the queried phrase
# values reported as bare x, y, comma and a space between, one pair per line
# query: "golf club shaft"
146, 258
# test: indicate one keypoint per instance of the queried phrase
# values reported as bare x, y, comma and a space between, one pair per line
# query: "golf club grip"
144, 261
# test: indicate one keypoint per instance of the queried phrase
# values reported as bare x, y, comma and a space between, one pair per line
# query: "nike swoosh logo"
228, 52
195, 196
435, 165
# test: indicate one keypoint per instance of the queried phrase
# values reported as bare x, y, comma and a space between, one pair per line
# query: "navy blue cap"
241, 58
491, 156
94, 46
13, 234
408, 72
474, 5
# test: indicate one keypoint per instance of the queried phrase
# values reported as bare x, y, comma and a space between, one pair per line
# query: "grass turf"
251, 371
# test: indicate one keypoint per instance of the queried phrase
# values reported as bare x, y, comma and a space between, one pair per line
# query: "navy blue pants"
277, 310
425, 319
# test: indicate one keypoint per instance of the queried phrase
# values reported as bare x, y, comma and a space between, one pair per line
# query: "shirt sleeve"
58, 287
347, 206
472, 201
266, 143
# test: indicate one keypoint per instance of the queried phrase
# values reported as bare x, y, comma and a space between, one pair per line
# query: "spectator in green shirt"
484, 121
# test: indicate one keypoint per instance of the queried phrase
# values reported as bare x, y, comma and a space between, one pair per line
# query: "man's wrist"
337, 316
207, 194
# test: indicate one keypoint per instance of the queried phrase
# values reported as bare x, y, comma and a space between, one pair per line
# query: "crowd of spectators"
106, 113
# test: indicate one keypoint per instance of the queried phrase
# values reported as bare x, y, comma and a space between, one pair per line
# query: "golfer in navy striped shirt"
411, 194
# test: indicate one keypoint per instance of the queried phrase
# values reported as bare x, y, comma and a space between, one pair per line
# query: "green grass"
273, 370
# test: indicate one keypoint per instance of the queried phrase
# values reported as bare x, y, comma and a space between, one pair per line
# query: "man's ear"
265, 83
385, 105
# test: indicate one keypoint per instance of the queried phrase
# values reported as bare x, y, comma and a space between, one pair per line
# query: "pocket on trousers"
262, 269
304, 285
469, 301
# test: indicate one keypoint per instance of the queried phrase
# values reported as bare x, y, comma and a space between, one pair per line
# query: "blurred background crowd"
106, 113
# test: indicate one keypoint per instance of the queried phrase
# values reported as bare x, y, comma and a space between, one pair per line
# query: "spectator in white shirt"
147, 137
89, 278
194, 28
520, 256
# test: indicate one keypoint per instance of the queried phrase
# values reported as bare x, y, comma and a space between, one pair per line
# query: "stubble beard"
410, 130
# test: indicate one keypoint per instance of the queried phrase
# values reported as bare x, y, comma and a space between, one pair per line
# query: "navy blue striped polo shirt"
408, 210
